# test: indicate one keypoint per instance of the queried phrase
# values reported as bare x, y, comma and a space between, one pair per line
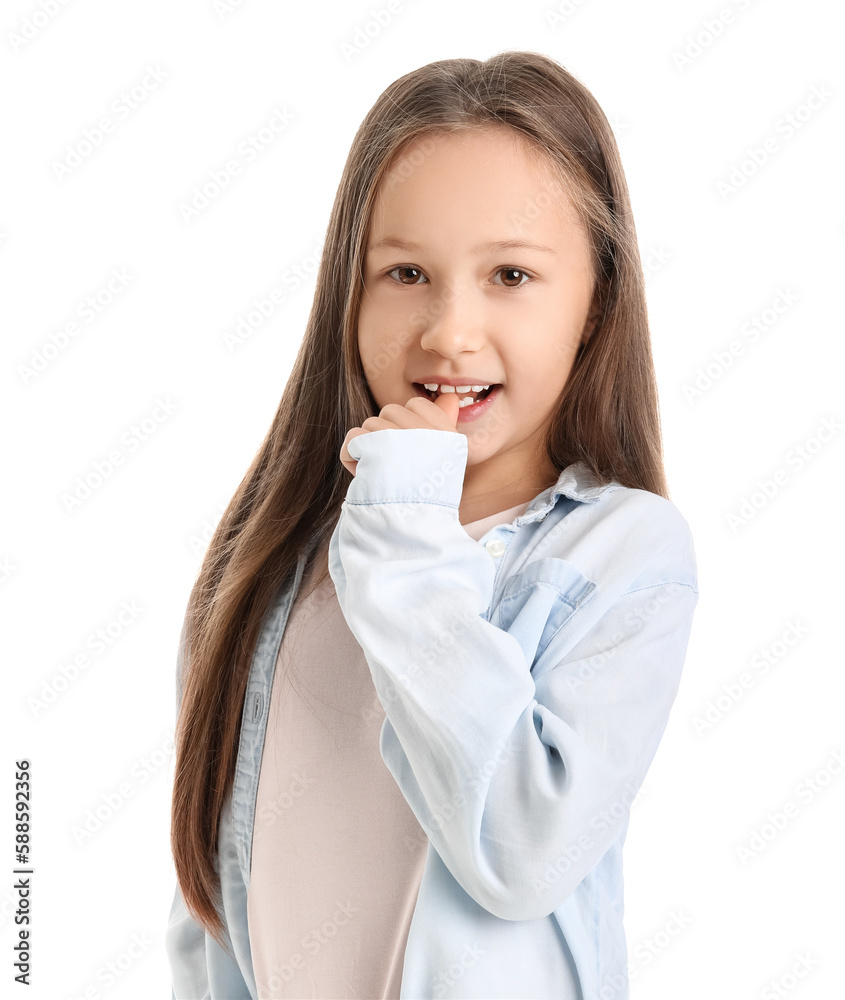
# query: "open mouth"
472, 405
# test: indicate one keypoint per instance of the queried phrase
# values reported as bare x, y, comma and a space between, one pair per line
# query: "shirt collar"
576, 482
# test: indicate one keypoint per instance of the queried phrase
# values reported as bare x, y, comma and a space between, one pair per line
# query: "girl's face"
476, 273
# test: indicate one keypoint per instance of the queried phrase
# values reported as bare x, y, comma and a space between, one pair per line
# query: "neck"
484, 495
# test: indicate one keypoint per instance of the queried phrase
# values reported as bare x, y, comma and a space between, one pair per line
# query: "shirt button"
495, 547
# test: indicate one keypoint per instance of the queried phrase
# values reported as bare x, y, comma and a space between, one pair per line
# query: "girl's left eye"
517, 271
406, 267
510, 270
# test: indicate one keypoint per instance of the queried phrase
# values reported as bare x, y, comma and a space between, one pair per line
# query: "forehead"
469, 178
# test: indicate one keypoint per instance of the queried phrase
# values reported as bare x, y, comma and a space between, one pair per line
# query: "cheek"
377, 359
367, 332
384, 336
373, 326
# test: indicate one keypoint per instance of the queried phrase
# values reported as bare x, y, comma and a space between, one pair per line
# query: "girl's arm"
519, 748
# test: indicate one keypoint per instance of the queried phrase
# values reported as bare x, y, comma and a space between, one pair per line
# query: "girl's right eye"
407, 267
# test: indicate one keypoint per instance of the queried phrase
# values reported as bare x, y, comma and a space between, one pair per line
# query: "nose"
452, 322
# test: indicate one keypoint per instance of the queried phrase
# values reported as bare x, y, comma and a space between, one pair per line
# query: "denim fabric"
527, 679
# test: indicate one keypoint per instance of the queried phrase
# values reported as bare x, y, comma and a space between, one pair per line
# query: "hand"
439, 414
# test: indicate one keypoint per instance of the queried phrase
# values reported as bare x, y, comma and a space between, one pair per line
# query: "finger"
397, 415
347, 461
381, 423
351, 465
436, 413
370, 424
448, 402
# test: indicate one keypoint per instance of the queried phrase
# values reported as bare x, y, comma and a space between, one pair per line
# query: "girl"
431, 652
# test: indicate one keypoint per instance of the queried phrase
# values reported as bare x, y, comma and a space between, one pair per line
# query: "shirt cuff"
418, 464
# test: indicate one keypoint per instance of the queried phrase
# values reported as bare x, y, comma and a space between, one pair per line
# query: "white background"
716, 260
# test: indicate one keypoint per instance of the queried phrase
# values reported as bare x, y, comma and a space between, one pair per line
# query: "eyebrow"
397, 244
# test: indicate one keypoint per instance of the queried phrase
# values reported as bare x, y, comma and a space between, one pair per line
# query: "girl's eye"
407, 267
417, 273
517, 271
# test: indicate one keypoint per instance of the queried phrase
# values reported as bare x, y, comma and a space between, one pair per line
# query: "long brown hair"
291, 494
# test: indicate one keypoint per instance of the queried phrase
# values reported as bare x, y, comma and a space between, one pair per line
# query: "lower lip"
473, 412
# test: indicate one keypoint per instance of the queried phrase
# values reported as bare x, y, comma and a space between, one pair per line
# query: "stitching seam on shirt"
563, 624
429, 503
572, 602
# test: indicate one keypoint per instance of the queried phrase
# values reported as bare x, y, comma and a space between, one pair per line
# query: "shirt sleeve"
521, 750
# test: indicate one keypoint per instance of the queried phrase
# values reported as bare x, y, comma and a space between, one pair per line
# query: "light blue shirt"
526, 679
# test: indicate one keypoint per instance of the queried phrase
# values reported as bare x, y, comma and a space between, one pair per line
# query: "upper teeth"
433, 387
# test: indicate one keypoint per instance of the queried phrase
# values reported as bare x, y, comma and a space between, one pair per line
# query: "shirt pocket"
540, 599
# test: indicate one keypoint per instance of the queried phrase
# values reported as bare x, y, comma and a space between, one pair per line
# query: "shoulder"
612, 530
655, 519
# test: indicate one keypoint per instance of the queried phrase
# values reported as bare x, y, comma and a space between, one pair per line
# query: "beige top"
337, 853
